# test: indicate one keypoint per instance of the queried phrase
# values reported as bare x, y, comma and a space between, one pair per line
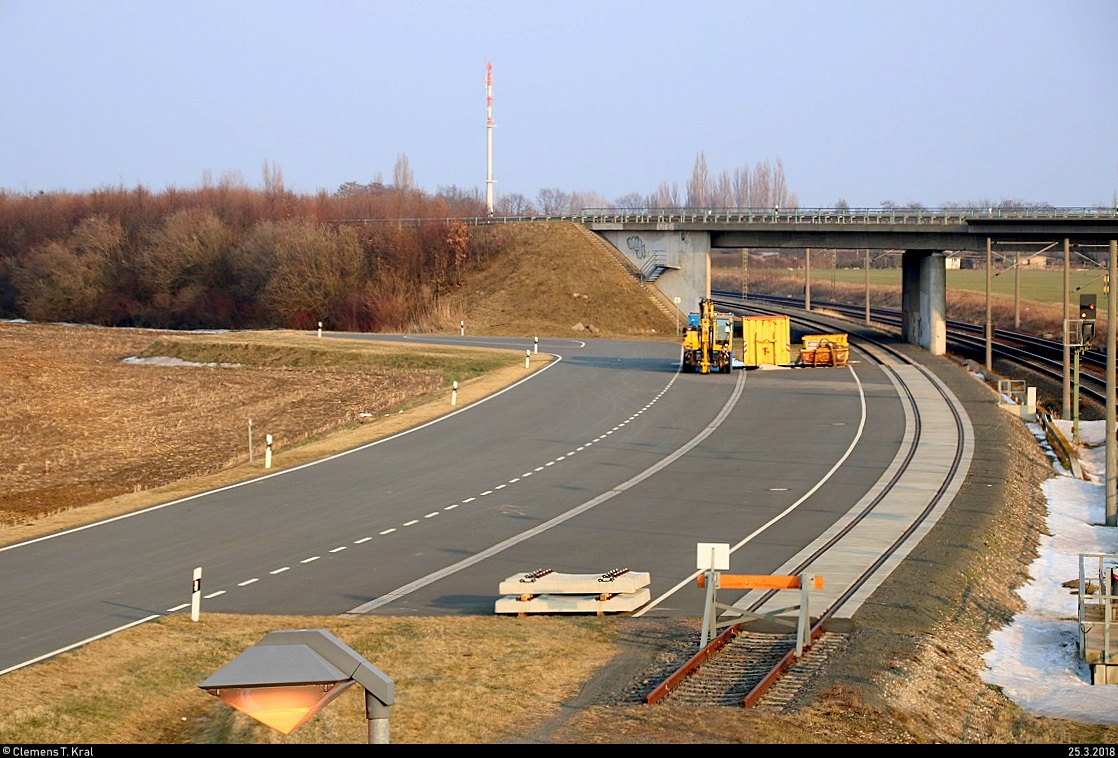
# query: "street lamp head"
289, 676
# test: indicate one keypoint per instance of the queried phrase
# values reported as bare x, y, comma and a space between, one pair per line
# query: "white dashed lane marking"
413, 522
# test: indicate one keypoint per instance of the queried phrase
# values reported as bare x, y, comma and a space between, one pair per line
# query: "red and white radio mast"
489, 137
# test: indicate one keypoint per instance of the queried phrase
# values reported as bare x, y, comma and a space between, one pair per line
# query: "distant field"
1036, 286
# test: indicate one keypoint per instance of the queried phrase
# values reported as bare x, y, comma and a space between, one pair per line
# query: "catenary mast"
489, 138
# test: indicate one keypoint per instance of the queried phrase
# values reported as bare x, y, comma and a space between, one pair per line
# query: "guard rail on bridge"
956, 229
931, 216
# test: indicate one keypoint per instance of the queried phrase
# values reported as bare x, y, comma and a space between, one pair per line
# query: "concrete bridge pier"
924, 299
677, 262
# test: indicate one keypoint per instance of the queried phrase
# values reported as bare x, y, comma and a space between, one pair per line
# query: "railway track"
750, 669
743, 667
1038, 359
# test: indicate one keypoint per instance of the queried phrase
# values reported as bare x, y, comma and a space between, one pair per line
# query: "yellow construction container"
767, 341
824, 350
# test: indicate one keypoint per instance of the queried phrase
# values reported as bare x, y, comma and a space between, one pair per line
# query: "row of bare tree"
763, 186
233, 258
227, 256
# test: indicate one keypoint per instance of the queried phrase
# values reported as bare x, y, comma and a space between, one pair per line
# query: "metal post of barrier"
708, 608
802, 629
710, 558
712, 581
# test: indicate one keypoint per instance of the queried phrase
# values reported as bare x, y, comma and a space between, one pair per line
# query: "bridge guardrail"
930, 216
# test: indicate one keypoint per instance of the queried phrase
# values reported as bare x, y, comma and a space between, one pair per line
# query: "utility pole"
744, 273
867, 285
1067, 310
834, 274
1111, 464
989, 312
1017, 290
807, 279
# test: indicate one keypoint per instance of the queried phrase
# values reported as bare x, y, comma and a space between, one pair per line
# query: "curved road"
607, 458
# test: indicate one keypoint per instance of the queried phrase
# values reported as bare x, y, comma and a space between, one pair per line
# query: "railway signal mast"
489, 138
1085, 330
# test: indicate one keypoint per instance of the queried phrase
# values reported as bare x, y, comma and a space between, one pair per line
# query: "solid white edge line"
86, 641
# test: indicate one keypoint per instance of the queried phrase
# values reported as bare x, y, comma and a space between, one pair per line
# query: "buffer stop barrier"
714, 580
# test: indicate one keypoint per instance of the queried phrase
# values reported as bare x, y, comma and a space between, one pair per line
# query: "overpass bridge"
673, 246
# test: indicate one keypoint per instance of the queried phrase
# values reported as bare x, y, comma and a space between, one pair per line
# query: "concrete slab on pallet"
623, 603
574, 584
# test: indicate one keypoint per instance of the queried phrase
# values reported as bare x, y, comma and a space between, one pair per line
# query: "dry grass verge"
142, 686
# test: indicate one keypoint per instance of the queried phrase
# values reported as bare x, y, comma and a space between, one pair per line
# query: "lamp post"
289, 676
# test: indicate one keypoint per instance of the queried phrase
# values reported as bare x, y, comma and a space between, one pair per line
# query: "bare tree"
780, 192
402, 178
698, 187
553, 201
183, 266
634, 201
723, 192
582, 200
514, 204
741, 188
316, 269
52, 283
61, 280
665, 196
761, 193
232, 179
273, 179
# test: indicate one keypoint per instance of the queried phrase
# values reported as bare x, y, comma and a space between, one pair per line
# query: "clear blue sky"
942, 102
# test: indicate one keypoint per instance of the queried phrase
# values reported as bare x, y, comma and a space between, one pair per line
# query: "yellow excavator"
708, 341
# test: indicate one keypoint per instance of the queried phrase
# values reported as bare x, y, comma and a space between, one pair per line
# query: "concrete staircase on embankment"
654, 294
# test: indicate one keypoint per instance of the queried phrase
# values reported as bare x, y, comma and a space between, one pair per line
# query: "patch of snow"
165, 361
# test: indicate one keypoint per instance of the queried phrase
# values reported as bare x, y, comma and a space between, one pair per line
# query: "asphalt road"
608, 458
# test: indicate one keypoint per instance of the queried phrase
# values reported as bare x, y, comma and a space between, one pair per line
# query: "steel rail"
1037, 354
777, 671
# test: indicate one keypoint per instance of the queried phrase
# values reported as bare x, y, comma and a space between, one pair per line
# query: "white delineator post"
536, 347
527, 358
320, 330
462, 328
196, 594
268, 451
454, 394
